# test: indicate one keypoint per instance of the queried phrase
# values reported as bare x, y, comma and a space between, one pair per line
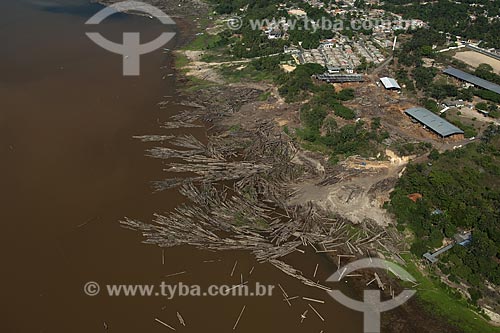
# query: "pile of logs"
236, 186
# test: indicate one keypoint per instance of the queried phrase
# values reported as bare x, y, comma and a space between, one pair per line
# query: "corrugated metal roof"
434, 122
477, 81
389, 83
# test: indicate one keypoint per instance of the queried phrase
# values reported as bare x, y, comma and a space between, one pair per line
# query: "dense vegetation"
486, 72
415, 76
297, 85
253, 42
412, 73
320, 129
461, 191
465, 18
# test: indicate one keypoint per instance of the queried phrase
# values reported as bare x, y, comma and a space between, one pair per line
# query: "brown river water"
70, 171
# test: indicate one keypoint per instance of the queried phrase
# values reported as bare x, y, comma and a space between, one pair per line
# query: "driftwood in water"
250, 214
153, 138
228, 219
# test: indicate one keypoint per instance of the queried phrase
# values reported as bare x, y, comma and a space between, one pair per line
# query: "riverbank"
199, 76
451, 310
235, 110
440, 299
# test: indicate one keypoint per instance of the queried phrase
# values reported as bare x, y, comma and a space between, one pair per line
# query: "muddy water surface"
70, 171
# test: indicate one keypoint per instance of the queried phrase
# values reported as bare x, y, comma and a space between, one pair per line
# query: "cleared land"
474, 59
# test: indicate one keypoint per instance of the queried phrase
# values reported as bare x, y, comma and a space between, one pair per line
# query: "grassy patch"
235, 128
181, 61
314, 146
203, 41
440, 301
234, 73
196, 84
264, 96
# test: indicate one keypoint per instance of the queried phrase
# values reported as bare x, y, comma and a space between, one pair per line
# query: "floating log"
153, 138
288, 299
370, 282
175, 274
181, 320
379, 282
238, 286
303, 316
313, 300
164, 324
234, 267
316, 312
252, 213
239, 317
179, 124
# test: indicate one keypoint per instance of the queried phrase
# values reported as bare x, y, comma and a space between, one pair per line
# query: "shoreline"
188, 36
414, 309
422, 307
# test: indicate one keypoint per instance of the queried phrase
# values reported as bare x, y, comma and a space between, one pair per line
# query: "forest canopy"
460, 192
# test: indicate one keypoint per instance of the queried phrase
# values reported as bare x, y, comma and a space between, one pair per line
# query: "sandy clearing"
360, 197
474, 59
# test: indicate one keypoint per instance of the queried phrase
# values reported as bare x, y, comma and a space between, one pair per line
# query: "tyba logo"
372, 306
131, 49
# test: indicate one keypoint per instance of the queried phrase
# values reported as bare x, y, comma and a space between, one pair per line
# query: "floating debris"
316, 312
253, 213
316, 270
239, 317
153, 138
234, 267
175, 274
181, 320
313, 300
164, 324
179, 124
303, 316
287, 299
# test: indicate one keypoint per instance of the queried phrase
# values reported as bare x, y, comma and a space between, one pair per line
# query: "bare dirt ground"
273, 109
363, 185
200, 69
389, 106
474, 114
362, 188
474, 59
